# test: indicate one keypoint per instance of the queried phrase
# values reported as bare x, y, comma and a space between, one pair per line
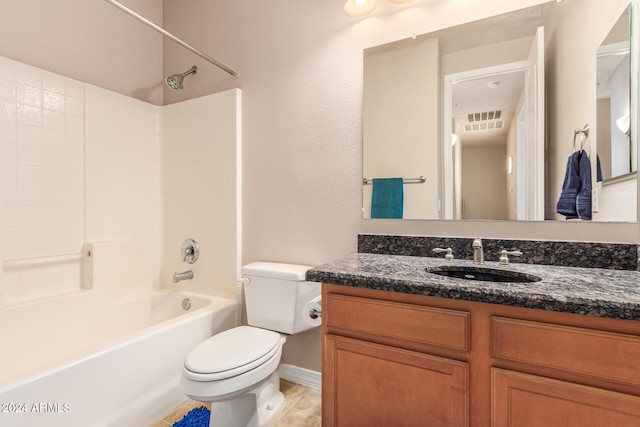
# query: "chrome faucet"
478, 255
185, 275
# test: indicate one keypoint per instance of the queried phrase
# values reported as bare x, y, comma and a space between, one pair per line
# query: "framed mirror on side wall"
613, 92
486, 111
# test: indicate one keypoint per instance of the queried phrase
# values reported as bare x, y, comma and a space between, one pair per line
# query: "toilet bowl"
236, 369
239, 362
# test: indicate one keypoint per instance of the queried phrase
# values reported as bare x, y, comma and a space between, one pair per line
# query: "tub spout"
177, 277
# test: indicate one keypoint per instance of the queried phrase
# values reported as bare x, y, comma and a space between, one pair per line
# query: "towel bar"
419, 180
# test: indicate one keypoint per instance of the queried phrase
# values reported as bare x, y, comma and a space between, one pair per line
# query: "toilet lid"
232, 349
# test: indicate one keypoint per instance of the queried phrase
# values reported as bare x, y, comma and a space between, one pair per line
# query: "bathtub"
88, 361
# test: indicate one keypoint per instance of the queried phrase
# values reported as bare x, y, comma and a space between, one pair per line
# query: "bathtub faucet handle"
190, 251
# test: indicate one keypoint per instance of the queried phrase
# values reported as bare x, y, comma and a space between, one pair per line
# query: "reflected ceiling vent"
483, 117
488, 125
488, 120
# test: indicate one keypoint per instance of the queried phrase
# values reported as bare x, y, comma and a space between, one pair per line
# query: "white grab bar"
12, 263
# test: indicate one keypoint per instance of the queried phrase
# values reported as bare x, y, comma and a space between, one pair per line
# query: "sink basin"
482, 273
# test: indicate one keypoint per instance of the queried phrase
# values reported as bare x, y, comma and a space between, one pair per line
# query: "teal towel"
387, 200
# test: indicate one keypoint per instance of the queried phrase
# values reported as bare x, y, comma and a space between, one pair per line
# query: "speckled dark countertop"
588, 291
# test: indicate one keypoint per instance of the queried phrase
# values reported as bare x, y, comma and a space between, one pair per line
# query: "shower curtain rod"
172, 37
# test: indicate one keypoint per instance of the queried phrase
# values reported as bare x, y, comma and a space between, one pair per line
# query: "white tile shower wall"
120, 267
123, 191
99, 158
202, 165
41, 178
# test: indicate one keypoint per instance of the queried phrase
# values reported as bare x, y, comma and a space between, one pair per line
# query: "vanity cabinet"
388, 380
406, 360
523, 400
382, 385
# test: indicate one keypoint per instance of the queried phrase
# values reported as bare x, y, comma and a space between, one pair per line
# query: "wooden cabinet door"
367, 384
522, 400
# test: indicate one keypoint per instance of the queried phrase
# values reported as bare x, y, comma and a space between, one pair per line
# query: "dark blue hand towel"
583, 200
570, 188
387, 200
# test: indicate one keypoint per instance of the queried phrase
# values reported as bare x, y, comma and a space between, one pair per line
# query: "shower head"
175, 81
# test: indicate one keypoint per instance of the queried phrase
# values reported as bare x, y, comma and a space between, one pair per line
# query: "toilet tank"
275, 294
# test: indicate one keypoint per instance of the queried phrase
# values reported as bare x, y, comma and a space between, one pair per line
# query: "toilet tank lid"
276, 270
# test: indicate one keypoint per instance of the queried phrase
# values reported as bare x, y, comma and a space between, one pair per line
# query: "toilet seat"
231, 353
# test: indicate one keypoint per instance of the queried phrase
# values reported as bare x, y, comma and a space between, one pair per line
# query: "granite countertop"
587, 291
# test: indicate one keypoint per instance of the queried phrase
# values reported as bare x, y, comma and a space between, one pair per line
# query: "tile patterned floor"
302, 408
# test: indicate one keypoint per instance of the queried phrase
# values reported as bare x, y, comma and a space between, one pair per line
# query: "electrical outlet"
594, 199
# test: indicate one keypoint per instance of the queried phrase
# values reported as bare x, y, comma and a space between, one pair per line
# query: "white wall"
81, 165
620, 105
121, 178
512, 178
123, 207
201, 148
615, 199
41, 178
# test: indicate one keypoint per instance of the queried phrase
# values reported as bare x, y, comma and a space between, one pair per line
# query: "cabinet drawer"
410, 322
604, 355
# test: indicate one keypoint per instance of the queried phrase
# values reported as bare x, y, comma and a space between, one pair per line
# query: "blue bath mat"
198, 417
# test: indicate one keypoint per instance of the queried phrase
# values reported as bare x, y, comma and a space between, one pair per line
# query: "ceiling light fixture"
359, 7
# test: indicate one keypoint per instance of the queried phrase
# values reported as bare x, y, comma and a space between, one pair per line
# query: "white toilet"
237, 368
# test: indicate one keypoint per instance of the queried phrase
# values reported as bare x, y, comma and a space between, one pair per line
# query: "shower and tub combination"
122, 369
109, 351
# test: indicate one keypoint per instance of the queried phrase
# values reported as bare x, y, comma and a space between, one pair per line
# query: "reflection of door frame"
521, 205
449, 81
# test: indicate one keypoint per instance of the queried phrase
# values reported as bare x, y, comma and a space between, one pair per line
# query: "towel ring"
584, 134
581, 141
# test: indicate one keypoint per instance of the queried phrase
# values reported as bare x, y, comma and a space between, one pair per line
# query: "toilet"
236, 369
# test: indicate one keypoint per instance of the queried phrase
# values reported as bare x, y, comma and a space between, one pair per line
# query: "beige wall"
90, 41
486, 56
301, 74
400, 112
574, 66
484, 182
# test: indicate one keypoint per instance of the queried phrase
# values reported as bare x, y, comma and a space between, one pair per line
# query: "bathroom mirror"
468, 109
613, 92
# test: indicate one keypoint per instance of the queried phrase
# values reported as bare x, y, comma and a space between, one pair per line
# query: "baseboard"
300, 375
